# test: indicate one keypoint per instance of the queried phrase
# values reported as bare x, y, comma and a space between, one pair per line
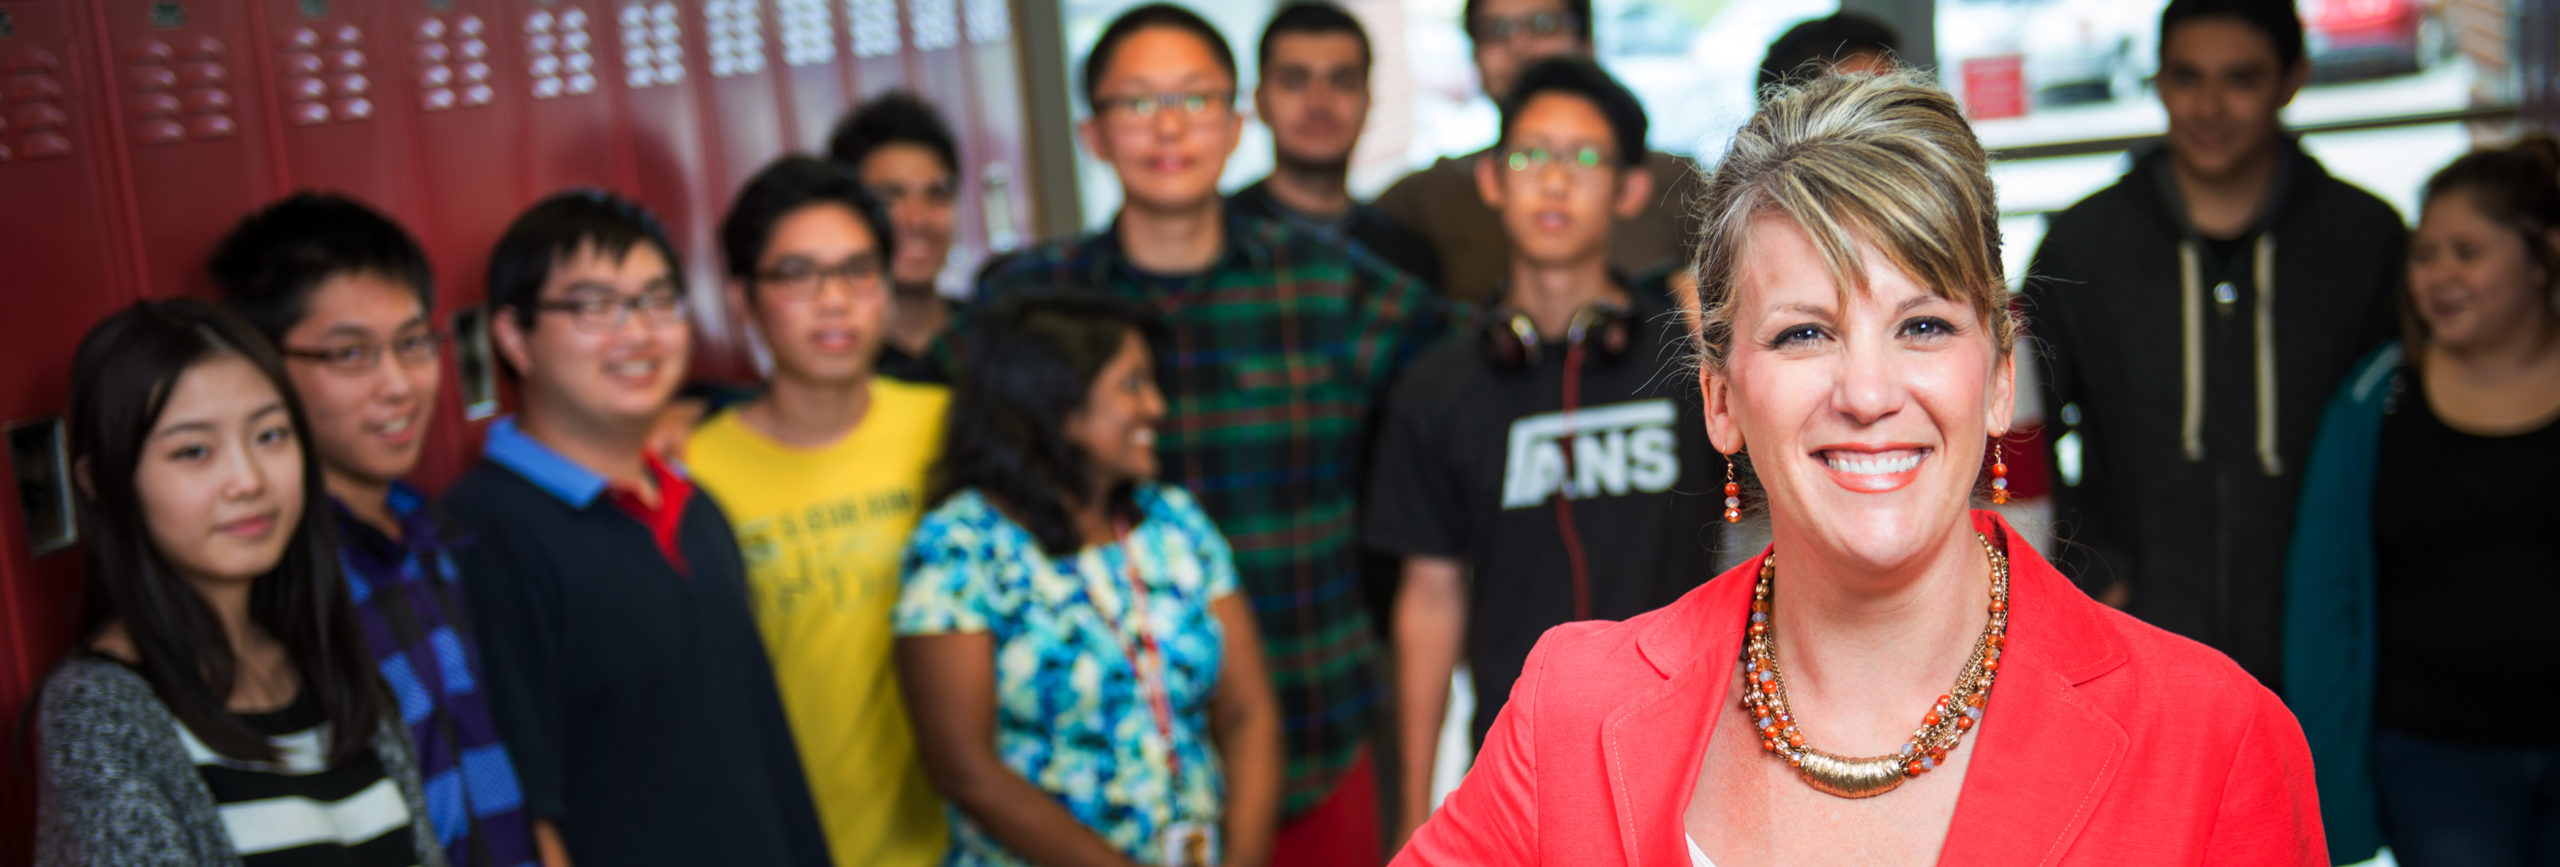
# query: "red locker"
465, 109
743, 127
873, 32
570, 136
816, 74
657, 68
997, 163
328, 65
191, 125
68, 255
939, 59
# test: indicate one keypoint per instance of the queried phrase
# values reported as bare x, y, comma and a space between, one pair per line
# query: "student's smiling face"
1167, 157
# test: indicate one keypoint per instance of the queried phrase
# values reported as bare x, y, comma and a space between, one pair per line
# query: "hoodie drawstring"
2191, 327
2266, 325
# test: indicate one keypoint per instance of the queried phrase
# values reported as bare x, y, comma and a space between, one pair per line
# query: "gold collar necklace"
1765, 696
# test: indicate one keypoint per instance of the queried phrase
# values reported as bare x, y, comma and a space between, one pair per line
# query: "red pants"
1340, 832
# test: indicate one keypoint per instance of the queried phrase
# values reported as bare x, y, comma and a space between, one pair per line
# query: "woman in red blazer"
1900, 679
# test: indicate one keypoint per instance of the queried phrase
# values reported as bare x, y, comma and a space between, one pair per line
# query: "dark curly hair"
1028, 364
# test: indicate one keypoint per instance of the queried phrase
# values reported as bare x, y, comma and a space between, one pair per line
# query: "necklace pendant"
1850, 778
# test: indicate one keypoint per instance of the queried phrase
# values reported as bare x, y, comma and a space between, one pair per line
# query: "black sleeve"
781, 751
2084, 548
516, 605
1413, 507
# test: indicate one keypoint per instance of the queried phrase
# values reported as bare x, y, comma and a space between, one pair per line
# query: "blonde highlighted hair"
1885, 160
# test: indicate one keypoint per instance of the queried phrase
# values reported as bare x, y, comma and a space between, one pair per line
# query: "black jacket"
2197, 369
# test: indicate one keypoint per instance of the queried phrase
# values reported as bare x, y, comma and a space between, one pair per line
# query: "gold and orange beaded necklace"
1765, 696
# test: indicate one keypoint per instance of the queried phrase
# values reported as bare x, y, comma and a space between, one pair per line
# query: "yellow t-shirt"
822, 530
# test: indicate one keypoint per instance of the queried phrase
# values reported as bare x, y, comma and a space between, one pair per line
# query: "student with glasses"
823, 478
623, 660
1443, 203
345, 294
1276, 347
1546, 469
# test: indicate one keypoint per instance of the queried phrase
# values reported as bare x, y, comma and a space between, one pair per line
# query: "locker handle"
475, 363
41, 463
995, 198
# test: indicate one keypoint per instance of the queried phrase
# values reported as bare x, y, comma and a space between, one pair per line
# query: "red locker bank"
133, 133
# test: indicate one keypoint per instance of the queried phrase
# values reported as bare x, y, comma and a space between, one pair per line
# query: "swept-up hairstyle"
121, 380
1886, 160
1029, 366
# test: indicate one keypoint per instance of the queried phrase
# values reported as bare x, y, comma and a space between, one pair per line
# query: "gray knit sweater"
116, 787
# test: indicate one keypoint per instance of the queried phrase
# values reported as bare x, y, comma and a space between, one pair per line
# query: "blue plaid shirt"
418, 629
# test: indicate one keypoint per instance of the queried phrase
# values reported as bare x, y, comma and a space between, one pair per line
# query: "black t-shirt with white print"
1472, 462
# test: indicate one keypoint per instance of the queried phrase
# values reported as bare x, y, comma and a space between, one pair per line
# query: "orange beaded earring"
1732, 494
1999, 477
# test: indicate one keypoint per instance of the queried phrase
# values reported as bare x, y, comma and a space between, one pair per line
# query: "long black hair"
1029, 363
121, 380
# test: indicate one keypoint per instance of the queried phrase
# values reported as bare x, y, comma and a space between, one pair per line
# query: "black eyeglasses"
413, 349
1534, 24
599, 314
798, 281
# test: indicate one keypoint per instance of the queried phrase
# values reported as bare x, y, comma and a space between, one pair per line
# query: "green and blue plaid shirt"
1273, 362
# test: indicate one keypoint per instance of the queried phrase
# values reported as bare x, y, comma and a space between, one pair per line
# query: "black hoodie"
2199, 368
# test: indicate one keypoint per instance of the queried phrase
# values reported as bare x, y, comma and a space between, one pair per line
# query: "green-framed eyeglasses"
1578, 160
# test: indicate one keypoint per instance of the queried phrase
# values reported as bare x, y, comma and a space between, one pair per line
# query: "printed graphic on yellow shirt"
830, 554
821, 531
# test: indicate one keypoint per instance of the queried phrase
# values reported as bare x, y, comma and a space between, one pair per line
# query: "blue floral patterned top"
1069, 714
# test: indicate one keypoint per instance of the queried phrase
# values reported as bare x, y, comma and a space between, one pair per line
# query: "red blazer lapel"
1653, 742
2045, 754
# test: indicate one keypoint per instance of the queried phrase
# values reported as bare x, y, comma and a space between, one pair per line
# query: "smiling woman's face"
220, 478
1865, 423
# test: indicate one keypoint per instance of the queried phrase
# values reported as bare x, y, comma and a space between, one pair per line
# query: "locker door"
659, 66
938, 58
571, 139
996, 159
67, 254
327, 61
192, 128
746, 126
815, 75
874, 35
466, 109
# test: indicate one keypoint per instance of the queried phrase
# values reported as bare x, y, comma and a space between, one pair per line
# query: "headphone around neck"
1510, 338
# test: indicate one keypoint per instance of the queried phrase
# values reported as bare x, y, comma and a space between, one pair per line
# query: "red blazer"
2109, 741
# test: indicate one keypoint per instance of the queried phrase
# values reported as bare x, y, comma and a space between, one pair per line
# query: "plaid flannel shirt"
1273, 363
418, 630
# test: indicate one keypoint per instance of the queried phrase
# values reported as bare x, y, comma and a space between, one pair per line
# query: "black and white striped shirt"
301, 812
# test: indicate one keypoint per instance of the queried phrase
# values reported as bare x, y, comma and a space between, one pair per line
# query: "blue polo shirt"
631, 687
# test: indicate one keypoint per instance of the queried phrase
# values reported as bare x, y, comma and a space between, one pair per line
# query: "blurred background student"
1086, 680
